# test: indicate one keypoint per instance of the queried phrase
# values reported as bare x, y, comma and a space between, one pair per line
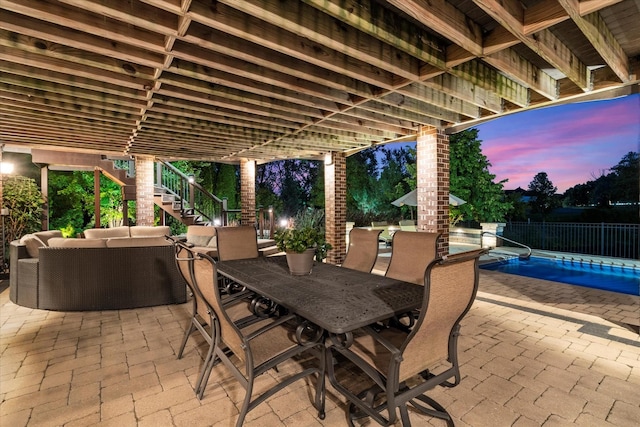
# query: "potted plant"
303, 241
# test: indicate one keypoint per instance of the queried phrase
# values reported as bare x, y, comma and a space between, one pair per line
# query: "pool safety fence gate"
601, 239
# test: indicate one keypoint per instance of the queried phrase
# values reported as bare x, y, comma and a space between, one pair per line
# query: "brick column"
433, 184
144, 190
335, 206
247, 192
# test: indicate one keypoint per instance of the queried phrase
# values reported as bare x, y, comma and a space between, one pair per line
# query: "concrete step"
269, 251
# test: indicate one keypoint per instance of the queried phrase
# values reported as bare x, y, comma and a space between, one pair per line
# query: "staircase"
174, 192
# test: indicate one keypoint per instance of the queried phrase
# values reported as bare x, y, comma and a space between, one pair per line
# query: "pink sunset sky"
572, 143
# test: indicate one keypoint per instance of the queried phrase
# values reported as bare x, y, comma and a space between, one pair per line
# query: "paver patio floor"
533, 353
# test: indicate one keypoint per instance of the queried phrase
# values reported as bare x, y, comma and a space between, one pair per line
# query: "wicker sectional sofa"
119, 268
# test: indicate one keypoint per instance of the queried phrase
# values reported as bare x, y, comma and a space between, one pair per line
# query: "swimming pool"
583, 273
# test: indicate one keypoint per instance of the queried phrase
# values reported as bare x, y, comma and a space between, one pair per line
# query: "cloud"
571, 143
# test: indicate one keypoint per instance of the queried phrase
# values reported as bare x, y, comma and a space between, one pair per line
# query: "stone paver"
532, 352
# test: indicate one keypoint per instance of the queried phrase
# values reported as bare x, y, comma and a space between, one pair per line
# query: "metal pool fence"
602, 239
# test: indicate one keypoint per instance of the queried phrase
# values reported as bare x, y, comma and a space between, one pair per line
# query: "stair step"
269, 250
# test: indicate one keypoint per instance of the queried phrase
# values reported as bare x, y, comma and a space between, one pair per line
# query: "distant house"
525, 195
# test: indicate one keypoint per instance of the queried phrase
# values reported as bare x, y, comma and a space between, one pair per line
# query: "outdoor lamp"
6, 168
328, 160
191, 178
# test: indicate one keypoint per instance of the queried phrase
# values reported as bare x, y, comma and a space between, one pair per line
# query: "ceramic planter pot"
301, 264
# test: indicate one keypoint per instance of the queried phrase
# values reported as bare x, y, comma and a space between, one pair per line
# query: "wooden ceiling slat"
596, 31
269, 79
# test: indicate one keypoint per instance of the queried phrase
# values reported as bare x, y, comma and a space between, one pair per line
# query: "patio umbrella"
411, 199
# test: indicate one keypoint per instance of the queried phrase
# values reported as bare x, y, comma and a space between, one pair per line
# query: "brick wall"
433, 184
144, 190
335, 201
247, 192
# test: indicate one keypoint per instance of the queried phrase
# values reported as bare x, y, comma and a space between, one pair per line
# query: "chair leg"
404, 416
247, 401
203, 378
438, 410
187, 333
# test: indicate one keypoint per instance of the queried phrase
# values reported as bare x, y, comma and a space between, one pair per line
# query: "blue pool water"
593, 275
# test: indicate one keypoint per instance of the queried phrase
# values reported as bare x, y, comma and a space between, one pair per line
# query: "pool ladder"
521, 256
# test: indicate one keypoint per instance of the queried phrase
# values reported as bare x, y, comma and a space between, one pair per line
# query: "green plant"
24, 200
307, 232
68, 231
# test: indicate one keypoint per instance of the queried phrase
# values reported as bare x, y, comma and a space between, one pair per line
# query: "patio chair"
407, 225
404, 365
385, 235
253, 350
184, 261
201, 318
236, 243
411, 254
363, 249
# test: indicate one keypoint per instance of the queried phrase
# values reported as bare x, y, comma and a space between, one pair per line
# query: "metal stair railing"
266, 223
127, 165
192, 199
521, 256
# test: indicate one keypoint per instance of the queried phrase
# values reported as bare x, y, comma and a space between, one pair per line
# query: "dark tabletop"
337, 299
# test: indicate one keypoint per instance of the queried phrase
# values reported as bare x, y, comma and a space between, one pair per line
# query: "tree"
362, 171
626, 173
71, 204
470, 179
544, 200
579, 195
287, 185
24, 200
392, 182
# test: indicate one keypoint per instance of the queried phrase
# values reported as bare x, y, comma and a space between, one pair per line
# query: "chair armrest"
395, 351
271, 325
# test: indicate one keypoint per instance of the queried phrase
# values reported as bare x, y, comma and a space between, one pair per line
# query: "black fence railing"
602, 239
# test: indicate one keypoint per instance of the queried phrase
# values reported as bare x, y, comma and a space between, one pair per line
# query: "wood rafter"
272, 79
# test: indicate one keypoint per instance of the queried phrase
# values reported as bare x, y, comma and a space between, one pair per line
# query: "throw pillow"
196, 240
33, 245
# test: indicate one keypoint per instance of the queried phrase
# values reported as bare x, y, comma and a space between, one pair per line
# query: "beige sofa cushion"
46, 235
200, 235
136, 242
60, 242
149, 231
33, 244
105, 233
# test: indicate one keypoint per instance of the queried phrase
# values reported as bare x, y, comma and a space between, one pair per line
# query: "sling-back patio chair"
407, 225
201, 318
411, 253
255, 349
404, 365
363, 249
236, 243
385, 235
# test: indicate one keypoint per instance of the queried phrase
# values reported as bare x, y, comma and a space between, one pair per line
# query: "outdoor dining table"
336, 299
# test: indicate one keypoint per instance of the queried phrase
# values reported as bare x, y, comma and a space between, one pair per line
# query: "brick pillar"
247, 192
144, 190
335, 206
433, 184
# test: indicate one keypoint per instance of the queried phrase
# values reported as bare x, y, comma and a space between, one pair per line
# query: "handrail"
526, 256
193, 199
